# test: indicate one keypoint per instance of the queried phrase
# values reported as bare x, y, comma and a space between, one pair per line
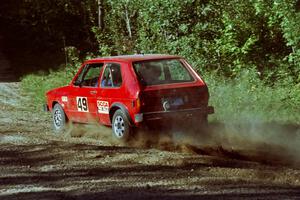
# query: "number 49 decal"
82, 104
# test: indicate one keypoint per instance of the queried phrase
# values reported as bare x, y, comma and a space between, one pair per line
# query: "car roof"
135, 58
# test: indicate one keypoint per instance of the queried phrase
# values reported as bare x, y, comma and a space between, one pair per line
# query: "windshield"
156, 72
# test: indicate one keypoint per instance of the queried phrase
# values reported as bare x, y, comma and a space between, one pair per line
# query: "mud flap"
210, 110
46, 108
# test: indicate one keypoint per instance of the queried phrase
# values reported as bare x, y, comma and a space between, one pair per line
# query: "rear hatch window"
157, 72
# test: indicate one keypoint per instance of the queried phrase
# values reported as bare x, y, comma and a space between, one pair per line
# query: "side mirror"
77, 83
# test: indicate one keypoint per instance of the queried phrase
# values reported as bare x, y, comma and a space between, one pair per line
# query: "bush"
247, 99
36, 85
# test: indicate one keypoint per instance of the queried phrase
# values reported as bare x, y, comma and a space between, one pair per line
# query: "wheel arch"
53, 104
119, 106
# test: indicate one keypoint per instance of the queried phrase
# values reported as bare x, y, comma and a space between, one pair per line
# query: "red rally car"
126, 92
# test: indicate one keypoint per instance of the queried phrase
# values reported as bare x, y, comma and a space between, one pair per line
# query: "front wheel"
59, 119
120, 126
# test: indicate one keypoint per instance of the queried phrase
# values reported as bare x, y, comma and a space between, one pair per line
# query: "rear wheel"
120, 126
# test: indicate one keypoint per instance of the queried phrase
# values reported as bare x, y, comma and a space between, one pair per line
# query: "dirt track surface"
36, 164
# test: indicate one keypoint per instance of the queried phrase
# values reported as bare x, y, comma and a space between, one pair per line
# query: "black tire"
59, 119
121, 128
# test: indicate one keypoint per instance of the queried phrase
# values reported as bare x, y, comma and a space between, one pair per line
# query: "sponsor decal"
103, 107
64, 99
82, 104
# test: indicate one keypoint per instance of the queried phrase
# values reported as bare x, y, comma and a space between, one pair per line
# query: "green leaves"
220, 35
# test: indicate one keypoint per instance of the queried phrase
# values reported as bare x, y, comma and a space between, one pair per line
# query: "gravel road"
36, 164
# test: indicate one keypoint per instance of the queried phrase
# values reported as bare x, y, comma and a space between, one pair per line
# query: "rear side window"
162, 72
112, 76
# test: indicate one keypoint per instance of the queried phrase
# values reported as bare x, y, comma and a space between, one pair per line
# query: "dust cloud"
269, 143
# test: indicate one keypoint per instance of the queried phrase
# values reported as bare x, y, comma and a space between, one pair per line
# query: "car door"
111, 83
83, 95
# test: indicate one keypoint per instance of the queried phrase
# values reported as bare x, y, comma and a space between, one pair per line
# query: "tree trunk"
100, 14
127, 19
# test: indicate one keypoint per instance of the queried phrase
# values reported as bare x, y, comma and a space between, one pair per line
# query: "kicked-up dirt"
225, 163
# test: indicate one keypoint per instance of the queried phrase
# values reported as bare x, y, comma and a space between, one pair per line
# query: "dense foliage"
215, 35
224, 35
248, 50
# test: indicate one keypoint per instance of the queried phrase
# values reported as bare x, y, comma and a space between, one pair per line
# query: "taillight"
138, 103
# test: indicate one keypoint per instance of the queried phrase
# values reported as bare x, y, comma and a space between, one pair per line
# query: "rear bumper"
178, 114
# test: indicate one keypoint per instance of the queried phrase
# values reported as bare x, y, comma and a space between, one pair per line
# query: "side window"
112, 76
89, 76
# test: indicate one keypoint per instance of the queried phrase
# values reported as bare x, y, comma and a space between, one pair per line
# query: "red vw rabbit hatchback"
127, 92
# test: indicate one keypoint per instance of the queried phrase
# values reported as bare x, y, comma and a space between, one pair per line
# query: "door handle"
93, 92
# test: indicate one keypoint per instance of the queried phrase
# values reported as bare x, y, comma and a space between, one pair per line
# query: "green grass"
36, 85
244, 99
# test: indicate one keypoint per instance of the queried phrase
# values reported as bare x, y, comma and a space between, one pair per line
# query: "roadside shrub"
36, 85
247, 99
